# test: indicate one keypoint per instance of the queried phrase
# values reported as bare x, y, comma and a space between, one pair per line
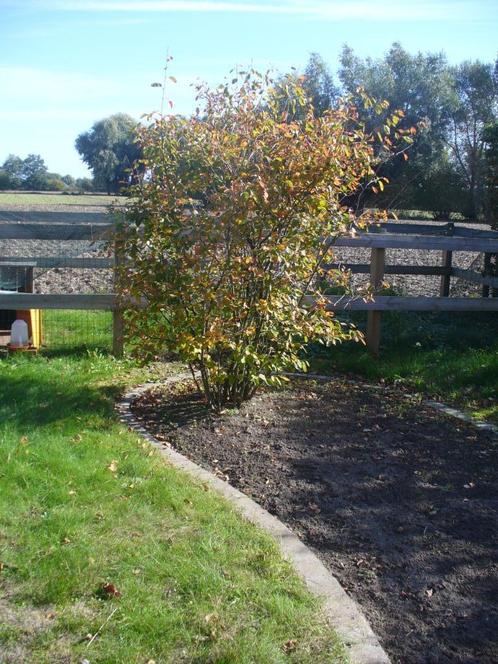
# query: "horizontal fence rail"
44, 231
109, 302
93, 227
56, 262
415, 303
364, 268
398, 241
450, 229
22, 301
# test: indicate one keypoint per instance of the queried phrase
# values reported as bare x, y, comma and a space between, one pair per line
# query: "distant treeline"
452, 165
32, 174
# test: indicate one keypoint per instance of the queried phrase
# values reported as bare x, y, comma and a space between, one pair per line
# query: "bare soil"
399, 501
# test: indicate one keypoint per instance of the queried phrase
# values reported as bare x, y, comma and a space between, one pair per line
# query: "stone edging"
344, 615
436, 405
454, 412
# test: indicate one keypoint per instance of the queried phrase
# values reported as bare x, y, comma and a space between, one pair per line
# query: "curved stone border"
454, 412
343, 613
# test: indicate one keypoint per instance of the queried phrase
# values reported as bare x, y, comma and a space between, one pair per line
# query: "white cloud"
334, 10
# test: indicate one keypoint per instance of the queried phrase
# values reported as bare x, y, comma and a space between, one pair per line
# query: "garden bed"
399, 501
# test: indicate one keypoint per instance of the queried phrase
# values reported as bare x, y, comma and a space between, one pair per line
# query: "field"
27, 199
107, 554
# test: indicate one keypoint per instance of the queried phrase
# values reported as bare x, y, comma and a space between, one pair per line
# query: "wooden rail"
415, 303
398, 241
364, 268
57, 301
47, 231
57, 262
445, 238
109, 302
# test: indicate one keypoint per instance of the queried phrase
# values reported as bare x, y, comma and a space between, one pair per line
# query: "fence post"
444, 289
494, 273
117, 314
486, 273
377, 265
490, 270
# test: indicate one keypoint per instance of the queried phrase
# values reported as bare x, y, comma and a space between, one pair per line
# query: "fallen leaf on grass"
108, 590
113, 466
289, 646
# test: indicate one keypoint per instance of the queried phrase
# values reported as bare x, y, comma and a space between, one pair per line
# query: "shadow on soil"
400, 502
403, 506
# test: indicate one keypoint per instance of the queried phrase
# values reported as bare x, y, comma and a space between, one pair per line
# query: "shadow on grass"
37, 396
442, 354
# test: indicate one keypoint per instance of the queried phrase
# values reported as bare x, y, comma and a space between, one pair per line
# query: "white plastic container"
19, 334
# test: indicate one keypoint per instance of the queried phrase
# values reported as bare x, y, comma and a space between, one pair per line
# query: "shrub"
230, 228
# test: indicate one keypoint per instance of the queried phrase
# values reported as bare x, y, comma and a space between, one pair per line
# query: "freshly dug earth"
399, 501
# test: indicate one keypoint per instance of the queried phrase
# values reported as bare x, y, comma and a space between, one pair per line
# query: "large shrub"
230, 229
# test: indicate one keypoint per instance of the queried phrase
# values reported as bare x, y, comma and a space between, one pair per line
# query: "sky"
67, 64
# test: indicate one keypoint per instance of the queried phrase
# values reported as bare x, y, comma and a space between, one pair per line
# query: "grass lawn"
85, 503
27, 199
451, 357
76, 331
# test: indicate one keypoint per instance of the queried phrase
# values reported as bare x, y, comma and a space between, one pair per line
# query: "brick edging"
342, 612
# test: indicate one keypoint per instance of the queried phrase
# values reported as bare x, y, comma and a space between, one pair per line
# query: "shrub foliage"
232, 223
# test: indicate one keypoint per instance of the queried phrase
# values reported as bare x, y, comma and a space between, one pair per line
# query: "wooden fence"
444, 239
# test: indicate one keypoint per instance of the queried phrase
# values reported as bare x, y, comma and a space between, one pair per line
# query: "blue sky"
65, 64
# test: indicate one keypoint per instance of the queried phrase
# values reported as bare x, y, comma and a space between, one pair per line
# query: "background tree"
315, 82
490, 136
12, 166
34, 172
421, 86
85, 184
109, 149
29, 173
228, 279
475, 105
319, 85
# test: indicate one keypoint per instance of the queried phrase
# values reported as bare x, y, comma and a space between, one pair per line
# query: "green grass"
27, 199
84, 502
76, 331
451, 357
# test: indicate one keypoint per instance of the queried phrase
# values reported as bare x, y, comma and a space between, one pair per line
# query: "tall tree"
475, 106
491, 172
419, 85
319, 84
34, 172
316, 83
12, 166
109, 149
29, 173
